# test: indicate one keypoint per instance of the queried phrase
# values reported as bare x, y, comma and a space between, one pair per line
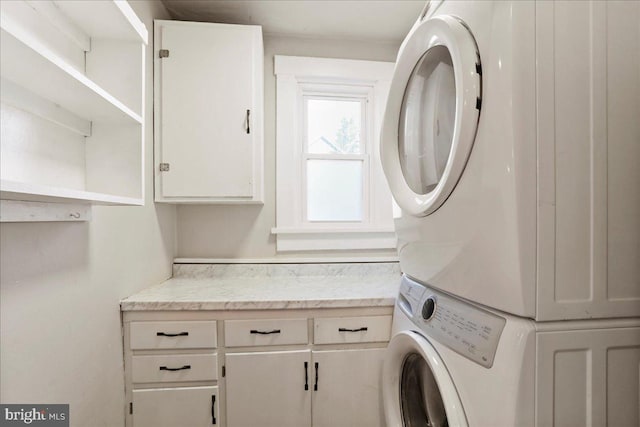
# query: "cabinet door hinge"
130, 407
164, 53
164, 167
224, 371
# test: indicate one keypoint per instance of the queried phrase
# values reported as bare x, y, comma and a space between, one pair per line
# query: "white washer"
510, 142
454, 363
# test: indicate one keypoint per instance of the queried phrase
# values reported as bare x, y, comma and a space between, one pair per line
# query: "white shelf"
73, 85
24, 61
105, 19
13, 190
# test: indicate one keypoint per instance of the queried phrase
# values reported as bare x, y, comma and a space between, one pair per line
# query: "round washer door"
432, 114
416, 386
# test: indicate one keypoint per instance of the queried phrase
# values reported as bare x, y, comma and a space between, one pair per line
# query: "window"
331, 192
334, 159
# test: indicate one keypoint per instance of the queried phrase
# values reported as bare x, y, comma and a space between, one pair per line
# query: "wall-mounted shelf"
105, 19
73, 106
64, 85
13, 190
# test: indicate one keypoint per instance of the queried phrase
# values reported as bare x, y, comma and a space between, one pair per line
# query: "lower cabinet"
267, 389
182, 406
312, 368
304, 388
348, 388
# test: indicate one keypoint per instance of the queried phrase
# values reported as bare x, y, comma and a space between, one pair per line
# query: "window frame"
299, 79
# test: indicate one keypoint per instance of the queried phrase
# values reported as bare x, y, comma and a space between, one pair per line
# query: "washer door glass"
417, 389
421, 402
427, 120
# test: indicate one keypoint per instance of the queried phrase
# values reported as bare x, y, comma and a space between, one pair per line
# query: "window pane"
334, 190
333, 126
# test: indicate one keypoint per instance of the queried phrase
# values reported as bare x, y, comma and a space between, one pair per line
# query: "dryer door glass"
427, 120
432, 114
420, 398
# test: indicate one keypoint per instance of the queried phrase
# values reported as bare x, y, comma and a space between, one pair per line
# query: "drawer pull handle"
164, 368
213, 409
306, 375
274, 331
179, 334
363, 329
315, 386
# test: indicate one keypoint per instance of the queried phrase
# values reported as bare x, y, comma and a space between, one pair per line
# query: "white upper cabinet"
208, 115
72, 102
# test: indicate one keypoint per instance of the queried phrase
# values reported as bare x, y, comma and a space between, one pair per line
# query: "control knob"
429, 308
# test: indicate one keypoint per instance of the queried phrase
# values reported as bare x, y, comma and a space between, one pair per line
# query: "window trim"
296, 78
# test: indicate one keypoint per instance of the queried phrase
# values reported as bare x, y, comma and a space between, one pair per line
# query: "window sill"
324, 238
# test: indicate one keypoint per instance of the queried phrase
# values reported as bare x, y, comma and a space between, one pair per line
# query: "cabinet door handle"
315, 386
213, 409
273, 331
164, 368
306, 375
364, 328
248, 121
179, 334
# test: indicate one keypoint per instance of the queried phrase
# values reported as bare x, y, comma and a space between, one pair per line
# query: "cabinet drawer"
175, 367
185, 334
241, 333
337, 330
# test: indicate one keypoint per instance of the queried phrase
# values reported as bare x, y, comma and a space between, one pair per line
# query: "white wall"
60, 286
245, 231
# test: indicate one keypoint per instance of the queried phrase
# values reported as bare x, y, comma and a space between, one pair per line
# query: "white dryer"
454, 363
511, 142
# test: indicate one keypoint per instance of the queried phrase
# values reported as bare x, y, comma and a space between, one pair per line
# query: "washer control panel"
464, 328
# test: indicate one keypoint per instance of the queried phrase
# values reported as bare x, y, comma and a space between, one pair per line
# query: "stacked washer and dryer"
511, 143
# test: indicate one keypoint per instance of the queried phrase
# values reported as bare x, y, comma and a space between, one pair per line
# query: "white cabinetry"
172, 373
72, 102
305, 388
336, 386
347, 392
208, 113
169, 407
279, 368
268, 389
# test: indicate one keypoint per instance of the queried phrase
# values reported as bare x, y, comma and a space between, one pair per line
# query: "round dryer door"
432, 114
417, 388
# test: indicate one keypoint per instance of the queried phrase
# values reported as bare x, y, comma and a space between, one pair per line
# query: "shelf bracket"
23, 211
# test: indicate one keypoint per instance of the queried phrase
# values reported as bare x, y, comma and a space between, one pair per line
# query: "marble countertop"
271, 286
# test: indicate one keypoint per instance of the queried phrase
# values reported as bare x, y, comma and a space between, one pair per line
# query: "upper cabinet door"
208, 112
